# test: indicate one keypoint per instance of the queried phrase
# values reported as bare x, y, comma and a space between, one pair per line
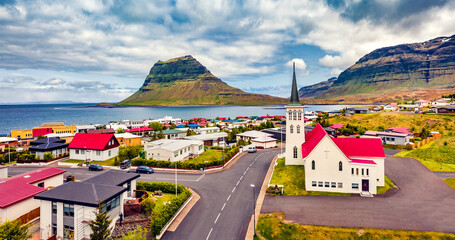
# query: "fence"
425, 141
30, 215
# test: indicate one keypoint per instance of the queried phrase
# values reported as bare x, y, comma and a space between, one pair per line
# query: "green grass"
209, 156
293, 179
388, 184
109, 162
450, 182
165, 198
271, 226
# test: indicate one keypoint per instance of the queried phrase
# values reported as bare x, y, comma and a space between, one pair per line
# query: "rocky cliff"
184, 81
417, 70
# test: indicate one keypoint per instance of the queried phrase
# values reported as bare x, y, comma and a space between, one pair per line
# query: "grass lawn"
436, 156
109, 162
209, 155
293, 179
451, 182
165, 198
271, 226
388, 184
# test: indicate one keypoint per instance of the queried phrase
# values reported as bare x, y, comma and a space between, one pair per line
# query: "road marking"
227, 200
200, 177
233, 189
248, 168
223, 206
241, 177
237, 183
209, 233
217, 217
245, 172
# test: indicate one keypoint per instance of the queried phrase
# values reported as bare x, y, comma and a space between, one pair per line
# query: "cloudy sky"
101, 51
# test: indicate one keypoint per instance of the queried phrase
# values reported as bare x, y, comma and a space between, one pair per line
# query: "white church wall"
294, 138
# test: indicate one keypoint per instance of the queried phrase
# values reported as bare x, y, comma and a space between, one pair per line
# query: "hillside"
184, 81
403, 72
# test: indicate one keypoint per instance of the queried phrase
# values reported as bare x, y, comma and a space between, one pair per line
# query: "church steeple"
294, 92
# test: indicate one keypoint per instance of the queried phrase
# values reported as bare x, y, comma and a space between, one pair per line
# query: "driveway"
424, 202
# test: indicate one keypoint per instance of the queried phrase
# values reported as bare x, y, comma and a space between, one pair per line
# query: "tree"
14, 230
189, 132
100, 226
120, 130
156, 125
425, 131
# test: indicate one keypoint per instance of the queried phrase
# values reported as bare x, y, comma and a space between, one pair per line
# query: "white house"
348, 165
67, 210
93, 146
422, 103
440, 102
391, 138
16, 193
258, 139
134, 124
173, 150
84, 128
208, 130
165, 120
212, 139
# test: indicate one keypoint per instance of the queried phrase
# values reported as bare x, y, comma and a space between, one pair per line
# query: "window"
333, 184
357, 171
109, 153
41, 184
362, 172
54, 208
313, 183
352, 171
313, 165
340, 185
77, 151
68, 232
82, 151
54, 228
298, 129
111, 204
291, 129
176, 154
68, 210
300, 115
319, 184
98, 152
290, 115
295, 152
368, 174
326, 184
355, 186
181, 152
340, 166
392, 139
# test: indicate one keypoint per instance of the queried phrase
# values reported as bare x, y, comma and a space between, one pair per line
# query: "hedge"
161, 215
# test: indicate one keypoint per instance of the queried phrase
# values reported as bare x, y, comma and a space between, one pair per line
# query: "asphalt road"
226, 203
424, 202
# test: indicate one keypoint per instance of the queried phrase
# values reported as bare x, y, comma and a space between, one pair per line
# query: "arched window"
295, 152
340, 166
290, 115
291, 129
298, 128
300, 115
313, 165
295, 115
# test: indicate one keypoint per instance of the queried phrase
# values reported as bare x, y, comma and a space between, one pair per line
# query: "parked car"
95, 167
252, 149
125, 164
144, 169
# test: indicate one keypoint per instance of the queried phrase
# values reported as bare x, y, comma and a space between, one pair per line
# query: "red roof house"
403, 130
142, 131
93, 146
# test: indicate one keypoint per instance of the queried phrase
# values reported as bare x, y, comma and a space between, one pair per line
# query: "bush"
147, 206
48, 156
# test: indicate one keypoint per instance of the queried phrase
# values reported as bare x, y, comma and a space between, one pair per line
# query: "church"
345, 165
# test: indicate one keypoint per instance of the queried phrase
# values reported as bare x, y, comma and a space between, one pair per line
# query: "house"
334, 113
403, 130
56, 146
20, 134
128, 139
208, 130
391, 107
248, 135
422, 103
58, 127
409, 107
142, 131
278, 133
390, 138
68, 137
212, 139
440, 102
84, 128
173, 150
67, 210
165, 120
348, 165
357, 110
174, 133
134, 124
444, 109
93, 146
17, 192
40, 132
102, 131
116, 126
258, 139
6, 142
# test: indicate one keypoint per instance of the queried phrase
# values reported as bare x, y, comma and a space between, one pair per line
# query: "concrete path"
445, 174
424, 202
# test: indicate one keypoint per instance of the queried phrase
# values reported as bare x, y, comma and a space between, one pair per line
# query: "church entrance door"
365, 185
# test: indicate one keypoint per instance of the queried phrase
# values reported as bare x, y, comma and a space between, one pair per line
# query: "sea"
29, 116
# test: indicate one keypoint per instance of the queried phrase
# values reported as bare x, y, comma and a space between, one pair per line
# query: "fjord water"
29, 116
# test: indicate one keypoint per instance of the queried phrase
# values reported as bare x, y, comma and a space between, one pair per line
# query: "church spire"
294, 92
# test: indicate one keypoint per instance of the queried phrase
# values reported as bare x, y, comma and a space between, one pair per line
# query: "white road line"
223, 206
227, 200
244, 172
241, 177
200, 177
233, 189
248, 168
237, 183
211, 229
217, 218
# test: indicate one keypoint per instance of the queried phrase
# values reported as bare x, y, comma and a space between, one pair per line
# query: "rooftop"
172, 144
208, 136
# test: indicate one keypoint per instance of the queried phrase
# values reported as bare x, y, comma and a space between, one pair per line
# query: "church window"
291, 129
352, 171
368, 174
355, 186
319, 184
333, 184
295, 152
362, 171
340, 166
298, 129
357, 171
313, 183
290, 115
326, 184
299, 115
313, 165
295, 116
340, 185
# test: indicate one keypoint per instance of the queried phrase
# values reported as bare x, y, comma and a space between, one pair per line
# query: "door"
365, 185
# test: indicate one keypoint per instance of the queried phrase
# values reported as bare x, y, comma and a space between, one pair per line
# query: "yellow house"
22, 133
128, 139
59, 127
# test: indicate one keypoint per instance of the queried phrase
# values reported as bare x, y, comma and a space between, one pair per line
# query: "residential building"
391, 107
409, 107
102, 131
116, 126
58, 127
211, 139
173, 133
264, 142
142, 131
249, 135
67, 210
390, 138
56, 146
423, 103
67, 136
134, 124
128, 139
165, 120
440, 102
84, 128
334, 113
6, 142
173, 150
208, 130
357, 110
93, 146
403, 130
17, 192
444, 109
278, 133
20, 134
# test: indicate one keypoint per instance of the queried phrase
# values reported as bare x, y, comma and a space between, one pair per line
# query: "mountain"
403, 72
185, 81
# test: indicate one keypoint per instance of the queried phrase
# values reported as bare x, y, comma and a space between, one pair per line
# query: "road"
226, 203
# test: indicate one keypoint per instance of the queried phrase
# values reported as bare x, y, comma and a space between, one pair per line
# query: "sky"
101, 51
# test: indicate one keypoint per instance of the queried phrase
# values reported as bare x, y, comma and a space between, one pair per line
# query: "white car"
252, 149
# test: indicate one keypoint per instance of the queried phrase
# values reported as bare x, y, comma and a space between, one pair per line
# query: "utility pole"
254, 209
175, 178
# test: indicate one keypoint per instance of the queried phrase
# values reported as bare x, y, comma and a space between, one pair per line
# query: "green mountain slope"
417, 70
184, 81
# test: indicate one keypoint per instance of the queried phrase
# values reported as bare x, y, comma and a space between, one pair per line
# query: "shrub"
48, 156
147, 206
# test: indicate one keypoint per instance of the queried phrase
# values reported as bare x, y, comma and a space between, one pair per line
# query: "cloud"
18, 79
54, 81
299, 64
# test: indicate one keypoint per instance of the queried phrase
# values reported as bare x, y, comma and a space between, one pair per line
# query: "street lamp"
254, 209
175, 178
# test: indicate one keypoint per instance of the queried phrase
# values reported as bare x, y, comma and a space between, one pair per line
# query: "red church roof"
361, 161
92, 141
19, 188
312, 139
